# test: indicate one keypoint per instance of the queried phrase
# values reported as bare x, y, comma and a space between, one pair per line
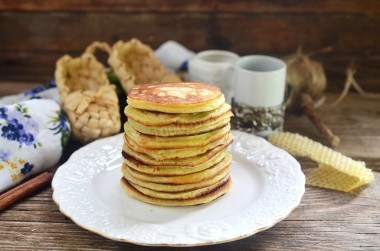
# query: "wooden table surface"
325, 219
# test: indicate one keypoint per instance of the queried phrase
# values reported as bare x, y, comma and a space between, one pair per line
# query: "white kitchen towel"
173, 55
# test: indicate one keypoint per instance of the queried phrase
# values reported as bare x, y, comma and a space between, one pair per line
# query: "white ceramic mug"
259, 81
214, 67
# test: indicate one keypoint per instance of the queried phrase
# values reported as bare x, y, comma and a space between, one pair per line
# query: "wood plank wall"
34, 34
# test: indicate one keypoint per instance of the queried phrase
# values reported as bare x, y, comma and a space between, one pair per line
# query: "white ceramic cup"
214, 67
259, 81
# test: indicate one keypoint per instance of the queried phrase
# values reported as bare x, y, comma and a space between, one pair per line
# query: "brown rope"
351, 81
304, 74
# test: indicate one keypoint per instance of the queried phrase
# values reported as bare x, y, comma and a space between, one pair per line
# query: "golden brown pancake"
159, 142
176, 153
178, 195
176, 187
181, 97
183, 129
182, 179
204, 198
152, 118
193, 161
172, 170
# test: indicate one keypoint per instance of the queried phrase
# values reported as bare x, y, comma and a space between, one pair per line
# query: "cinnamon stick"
307, 105
26, 188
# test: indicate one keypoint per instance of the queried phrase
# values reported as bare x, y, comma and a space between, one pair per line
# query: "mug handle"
289, 93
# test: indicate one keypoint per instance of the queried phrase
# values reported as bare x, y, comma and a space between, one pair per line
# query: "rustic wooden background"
34, 34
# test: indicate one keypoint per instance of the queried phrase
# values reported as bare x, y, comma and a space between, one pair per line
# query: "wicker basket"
87, 97
134, 64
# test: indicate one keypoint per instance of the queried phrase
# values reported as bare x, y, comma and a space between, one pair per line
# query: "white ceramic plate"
267, 185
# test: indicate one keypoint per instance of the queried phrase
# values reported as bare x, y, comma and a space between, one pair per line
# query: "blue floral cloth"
46, 91
33, 134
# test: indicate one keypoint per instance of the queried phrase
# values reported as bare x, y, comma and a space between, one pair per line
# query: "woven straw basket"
134, 64
87, 97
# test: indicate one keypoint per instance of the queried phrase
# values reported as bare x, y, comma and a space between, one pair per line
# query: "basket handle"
97, 45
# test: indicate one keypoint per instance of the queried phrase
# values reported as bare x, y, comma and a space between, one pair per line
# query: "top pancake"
153, 118
186, 97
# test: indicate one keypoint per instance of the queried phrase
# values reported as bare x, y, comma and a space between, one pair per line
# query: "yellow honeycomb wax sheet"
329, 177
333, 165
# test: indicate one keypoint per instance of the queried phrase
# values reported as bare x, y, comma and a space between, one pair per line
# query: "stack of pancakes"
175, 144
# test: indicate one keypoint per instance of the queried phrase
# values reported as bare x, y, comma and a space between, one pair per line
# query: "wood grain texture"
325, 219
31, 42
285, 6
358, 126
240, 32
